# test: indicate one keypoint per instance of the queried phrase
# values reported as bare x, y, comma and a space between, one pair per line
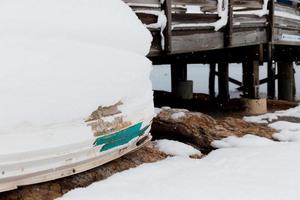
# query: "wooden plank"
286, 23
249, 37
179, 18
147, 18
232, 80
204, 5
196, 41
286, 9
243, 21
195, 2
142, 1
281, 36
247, 3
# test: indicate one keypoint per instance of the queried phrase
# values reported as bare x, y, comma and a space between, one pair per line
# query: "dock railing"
183, 26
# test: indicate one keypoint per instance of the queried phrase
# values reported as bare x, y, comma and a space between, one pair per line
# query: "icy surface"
175, 148
261, 172
245, 141
62, 59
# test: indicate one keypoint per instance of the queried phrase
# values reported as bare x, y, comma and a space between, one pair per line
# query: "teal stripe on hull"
121, 137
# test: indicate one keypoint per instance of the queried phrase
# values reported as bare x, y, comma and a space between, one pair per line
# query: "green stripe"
121, 137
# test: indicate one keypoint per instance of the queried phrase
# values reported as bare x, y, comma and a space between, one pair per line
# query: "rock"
200, 130
54, 189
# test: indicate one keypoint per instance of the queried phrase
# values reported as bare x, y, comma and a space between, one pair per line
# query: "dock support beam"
180, 86
245, 79
271, 66
271, 80
212, 76
251, 79
223, 72
286, 81
253, 104
254, 80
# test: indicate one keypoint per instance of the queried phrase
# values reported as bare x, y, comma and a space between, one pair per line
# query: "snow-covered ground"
249, 167
161, 78
269, 117
175, 148
260, 172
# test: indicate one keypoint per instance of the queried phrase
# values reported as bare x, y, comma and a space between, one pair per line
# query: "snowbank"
62, 59
269, 117
175, 148
261, 173
245, 141
288, 131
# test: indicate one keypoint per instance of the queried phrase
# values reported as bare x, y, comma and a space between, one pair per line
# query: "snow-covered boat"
49, 164
75, 87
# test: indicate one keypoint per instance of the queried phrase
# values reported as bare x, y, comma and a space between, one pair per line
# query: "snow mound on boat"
62, 59
109, 23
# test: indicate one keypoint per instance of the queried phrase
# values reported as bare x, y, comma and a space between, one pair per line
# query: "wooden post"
271, 74
178, 73
251, 79
271, 66
181, 87
271, 21
223, 71
212, 76
286, 81
271, 80
167, 7
245, 79
294, 85
228, 31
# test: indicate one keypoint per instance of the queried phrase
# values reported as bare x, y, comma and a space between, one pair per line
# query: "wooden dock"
220, 32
